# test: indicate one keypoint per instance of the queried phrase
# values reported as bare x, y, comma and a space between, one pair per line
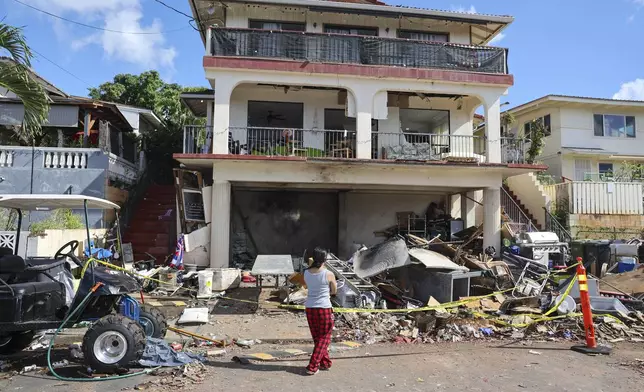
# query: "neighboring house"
586, 138
328, 118
588, 143
63, 160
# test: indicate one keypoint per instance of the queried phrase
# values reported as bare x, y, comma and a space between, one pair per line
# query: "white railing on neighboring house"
122, 169
608, 198
6, 157
66, 158
70, 158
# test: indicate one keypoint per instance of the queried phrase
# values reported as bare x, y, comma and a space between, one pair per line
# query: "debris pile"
173, 379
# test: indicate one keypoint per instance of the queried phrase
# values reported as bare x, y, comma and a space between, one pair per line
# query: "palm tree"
16, 76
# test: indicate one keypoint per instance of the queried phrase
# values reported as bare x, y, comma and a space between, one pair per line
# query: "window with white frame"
544, 120
611, 125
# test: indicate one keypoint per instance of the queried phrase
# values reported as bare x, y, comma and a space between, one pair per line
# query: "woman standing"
319, 312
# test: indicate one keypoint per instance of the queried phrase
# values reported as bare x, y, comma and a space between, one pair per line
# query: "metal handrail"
553, 225
515, 212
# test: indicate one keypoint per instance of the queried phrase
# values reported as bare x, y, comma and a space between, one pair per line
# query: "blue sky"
575, 47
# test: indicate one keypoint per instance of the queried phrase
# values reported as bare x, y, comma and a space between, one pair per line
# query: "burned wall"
282, 222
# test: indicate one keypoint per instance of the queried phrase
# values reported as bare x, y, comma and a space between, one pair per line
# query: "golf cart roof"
52, 202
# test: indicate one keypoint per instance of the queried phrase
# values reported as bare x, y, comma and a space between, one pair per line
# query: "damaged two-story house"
327, 119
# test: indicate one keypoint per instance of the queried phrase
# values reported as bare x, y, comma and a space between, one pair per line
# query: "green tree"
537, 141
16, 76
149, 91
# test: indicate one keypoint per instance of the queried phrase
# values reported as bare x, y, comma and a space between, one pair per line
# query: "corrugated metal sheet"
59, 115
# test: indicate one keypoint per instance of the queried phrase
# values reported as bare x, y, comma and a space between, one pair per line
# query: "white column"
468, 209
209, 127
363, 137
208, 41
492, 219
493, 130
221, 116
220, 225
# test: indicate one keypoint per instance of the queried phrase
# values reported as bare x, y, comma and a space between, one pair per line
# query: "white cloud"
470, 10
145, 50
498, 38
638, 2
633, 90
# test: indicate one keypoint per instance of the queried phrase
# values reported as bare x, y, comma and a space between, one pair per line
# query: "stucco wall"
238, 15
550, 155
578, 131
369, 212
90, 181
528, 189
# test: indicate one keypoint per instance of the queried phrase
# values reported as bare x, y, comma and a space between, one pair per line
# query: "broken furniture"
272, 265
532, 280
342, 149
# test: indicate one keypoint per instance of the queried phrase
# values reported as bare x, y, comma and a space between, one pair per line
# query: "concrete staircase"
517, 211
151, 230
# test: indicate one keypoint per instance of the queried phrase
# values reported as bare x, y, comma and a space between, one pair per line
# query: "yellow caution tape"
444, 306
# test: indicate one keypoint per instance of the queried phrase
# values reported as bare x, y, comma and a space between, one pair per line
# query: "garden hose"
53, 338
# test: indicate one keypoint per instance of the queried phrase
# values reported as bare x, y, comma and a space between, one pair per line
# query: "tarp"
382, 257
159, 353
434, 260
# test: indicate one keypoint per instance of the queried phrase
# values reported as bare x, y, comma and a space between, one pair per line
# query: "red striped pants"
321, 325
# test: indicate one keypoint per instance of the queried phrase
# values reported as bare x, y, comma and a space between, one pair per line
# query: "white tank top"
319, 291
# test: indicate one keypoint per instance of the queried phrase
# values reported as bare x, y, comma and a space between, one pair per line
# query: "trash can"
577, 250
596, 254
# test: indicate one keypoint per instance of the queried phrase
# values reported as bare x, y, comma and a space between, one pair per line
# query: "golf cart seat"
25, 295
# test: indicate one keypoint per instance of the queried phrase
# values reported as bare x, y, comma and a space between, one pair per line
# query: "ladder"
343, 271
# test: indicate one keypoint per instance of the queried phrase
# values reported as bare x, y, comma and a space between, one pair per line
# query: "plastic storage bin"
225, 278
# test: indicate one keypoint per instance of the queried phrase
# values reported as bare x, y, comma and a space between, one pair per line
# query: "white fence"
607, 198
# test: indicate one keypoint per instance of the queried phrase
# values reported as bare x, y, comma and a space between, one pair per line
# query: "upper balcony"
331, 48
342, 144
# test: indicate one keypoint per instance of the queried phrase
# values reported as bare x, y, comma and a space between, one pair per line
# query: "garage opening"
282, 222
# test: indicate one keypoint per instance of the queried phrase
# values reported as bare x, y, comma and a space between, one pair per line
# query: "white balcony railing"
69, 158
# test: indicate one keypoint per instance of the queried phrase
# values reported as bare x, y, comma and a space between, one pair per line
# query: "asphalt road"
489, 366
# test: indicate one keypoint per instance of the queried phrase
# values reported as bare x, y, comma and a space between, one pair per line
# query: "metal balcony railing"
425, 146
513, 150
311, 143
348, 49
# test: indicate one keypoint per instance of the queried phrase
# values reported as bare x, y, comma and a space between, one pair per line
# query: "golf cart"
38, 294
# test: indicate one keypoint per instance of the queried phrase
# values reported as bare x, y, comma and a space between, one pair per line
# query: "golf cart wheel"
153, 322
113, 342
15, 342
